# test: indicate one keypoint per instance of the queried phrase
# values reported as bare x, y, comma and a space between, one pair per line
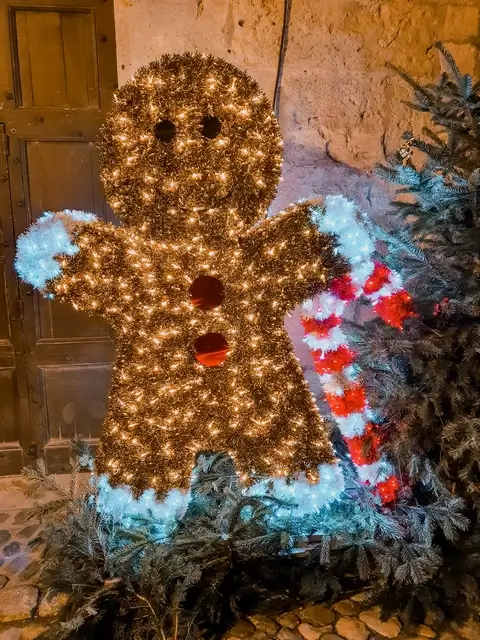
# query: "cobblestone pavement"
18, 564
25, 613
348, 619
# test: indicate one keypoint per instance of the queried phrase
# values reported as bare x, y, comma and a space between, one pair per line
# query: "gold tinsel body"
191, 206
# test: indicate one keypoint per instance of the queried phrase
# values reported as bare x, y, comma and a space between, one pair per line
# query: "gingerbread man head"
188, 134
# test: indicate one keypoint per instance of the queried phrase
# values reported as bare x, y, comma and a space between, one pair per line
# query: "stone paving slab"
18, 562
348, 619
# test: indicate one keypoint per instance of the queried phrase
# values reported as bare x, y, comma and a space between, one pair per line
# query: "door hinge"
5, 144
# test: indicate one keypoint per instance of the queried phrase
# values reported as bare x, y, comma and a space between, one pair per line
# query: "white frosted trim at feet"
305, 496
118, 505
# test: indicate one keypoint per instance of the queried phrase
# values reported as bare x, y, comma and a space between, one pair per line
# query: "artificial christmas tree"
426, 379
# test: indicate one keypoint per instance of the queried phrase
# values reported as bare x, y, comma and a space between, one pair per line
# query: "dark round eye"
210, 127
165, 131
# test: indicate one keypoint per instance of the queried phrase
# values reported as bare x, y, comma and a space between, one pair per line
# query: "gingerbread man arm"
72, 256
291, 256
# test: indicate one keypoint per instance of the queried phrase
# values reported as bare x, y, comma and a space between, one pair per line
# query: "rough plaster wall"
340, 109
337, 96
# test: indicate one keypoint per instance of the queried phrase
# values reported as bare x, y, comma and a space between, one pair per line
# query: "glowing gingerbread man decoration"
197, 283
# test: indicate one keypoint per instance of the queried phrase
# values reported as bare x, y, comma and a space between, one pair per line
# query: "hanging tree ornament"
196, 283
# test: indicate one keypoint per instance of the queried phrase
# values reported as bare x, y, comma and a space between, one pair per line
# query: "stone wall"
340, 107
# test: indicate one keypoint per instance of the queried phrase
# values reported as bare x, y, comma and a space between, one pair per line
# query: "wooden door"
57, 76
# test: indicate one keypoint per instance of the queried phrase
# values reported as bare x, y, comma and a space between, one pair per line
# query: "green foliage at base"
230, 555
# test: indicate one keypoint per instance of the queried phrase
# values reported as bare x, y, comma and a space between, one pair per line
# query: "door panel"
58, 73
63, 174
75, 402
64, 42
8, 421
60, 170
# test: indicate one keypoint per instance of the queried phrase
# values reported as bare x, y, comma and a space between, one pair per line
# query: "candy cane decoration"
334, 360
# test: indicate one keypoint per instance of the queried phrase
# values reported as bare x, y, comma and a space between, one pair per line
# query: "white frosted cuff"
48, 237
339, 216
